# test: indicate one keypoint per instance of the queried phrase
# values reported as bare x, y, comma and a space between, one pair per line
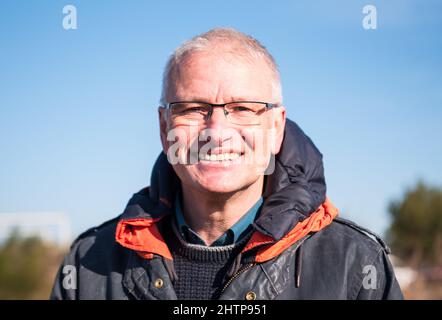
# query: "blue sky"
78, 121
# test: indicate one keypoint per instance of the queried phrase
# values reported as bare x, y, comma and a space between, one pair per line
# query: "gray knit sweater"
201, 271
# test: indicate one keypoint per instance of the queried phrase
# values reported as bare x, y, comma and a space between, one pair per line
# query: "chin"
218, 180
226, 183
221, 186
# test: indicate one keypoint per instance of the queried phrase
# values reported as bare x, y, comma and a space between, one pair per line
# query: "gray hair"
238, 43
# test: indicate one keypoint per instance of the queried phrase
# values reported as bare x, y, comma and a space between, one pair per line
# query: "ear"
164, 126
279, 116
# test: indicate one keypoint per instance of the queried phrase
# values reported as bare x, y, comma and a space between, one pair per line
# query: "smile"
220, 157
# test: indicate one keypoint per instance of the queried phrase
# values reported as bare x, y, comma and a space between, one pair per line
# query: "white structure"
404, 274
51, 227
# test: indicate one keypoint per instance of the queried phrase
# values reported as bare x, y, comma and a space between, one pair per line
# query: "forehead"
221, 77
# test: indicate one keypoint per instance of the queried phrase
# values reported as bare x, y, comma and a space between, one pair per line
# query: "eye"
241, 109
194, 110
183, 109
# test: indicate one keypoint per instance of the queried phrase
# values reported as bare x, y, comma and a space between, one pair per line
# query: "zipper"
248, 266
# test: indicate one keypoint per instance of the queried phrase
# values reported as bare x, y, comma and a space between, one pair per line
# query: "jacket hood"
294, 196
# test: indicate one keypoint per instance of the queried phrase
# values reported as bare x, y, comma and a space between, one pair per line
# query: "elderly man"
237, 206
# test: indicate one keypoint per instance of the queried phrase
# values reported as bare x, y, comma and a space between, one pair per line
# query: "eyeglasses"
240, 112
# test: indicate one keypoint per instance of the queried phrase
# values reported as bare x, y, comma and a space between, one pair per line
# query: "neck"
215, 213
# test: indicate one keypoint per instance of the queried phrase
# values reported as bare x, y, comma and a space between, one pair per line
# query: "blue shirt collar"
235, 233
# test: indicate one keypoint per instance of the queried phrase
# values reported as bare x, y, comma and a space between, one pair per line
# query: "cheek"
177, 143
184, 136
257, 140
259, 149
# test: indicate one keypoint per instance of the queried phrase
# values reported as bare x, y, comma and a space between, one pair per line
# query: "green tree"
415, 233
27, 267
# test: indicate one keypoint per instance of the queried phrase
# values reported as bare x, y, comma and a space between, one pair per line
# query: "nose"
217, 118
217, 129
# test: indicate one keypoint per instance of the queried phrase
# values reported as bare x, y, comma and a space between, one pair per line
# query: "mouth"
220, 157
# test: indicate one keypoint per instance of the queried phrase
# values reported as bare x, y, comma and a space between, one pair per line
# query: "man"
237, 205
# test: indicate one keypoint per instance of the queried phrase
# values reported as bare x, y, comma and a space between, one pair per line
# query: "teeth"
220, 157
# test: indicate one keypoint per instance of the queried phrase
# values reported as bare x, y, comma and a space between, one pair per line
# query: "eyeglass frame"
267, 105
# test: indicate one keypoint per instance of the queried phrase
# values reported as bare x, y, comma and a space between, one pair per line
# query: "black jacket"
299, 249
